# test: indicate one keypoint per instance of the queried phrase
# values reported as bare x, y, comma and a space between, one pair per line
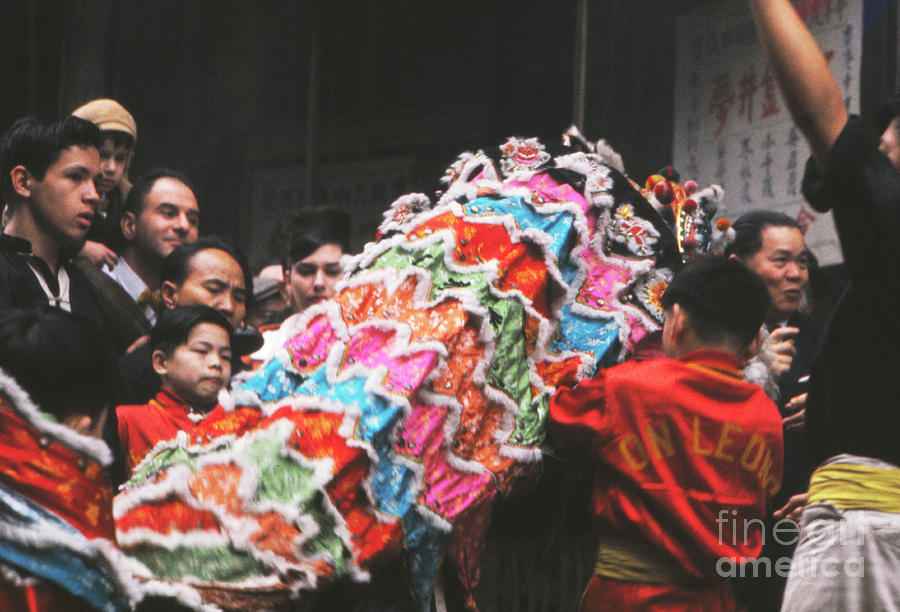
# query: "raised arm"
804, 78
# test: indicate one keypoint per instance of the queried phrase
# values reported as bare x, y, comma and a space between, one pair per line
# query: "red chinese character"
770, 98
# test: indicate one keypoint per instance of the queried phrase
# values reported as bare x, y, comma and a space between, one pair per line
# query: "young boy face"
64, 202
199, 368
312, 279
113, 164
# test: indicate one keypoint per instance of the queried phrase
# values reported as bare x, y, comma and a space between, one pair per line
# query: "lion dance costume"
419, 393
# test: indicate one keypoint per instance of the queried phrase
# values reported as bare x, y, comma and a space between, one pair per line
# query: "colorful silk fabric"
406, 403
56, 526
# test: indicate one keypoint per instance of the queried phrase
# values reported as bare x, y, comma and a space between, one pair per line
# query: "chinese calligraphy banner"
731, 126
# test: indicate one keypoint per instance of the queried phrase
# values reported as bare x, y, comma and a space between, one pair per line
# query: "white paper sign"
731, 125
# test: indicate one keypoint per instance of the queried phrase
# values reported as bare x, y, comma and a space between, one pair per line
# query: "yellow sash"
638, 562
854, 487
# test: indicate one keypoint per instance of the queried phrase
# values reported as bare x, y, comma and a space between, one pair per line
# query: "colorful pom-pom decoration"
652, 180
663, 192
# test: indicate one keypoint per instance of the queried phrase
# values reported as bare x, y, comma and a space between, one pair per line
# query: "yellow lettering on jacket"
660, 437
763, 473
634, 452
698, 449
725, 441
756, 442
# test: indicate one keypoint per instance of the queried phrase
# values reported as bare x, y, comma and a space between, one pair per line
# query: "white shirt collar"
123, 274
62, 300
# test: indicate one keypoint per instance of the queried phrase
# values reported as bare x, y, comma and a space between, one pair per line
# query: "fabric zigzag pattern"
408, 402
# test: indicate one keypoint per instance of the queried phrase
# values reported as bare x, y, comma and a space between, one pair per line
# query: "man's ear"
21, 181
167, 292
679, 321
160, 362
734, 257
128, 223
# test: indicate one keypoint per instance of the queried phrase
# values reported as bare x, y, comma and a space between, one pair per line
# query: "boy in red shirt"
687, 452
192, 354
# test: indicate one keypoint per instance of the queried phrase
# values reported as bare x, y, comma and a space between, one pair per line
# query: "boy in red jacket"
192, 355
687, 452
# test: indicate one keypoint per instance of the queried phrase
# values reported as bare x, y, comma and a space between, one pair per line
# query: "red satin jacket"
688, 455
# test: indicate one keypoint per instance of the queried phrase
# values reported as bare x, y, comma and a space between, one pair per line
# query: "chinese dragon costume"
401, 408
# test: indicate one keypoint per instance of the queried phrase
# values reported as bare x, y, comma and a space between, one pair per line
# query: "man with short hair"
160, 214
683, 445
208, 272
48, 172
771, 244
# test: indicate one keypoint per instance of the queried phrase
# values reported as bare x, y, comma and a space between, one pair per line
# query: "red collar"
170, 401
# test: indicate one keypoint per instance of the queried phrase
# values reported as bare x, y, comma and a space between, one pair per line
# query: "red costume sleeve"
579, 414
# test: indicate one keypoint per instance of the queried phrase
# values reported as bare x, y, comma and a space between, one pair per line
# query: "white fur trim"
21, 403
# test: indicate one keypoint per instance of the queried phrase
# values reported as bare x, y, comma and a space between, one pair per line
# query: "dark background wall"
269, 106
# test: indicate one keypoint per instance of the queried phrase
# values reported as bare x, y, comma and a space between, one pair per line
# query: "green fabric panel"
161, 461
442, 278
283, 480
327, 541
207, 564
280, 478
508, 371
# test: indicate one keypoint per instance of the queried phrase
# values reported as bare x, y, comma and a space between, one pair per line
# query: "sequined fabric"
420, 391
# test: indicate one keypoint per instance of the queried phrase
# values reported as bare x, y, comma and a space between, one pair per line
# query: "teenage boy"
47, 175
57, 532
118, 136
191, 353
688, 454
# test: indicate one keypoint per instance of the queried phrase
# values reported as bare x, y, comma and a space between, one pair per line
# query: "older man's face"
214, 279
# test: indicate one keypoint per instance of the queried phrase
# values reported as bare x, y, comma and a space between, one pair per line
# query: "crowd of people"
120, 323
